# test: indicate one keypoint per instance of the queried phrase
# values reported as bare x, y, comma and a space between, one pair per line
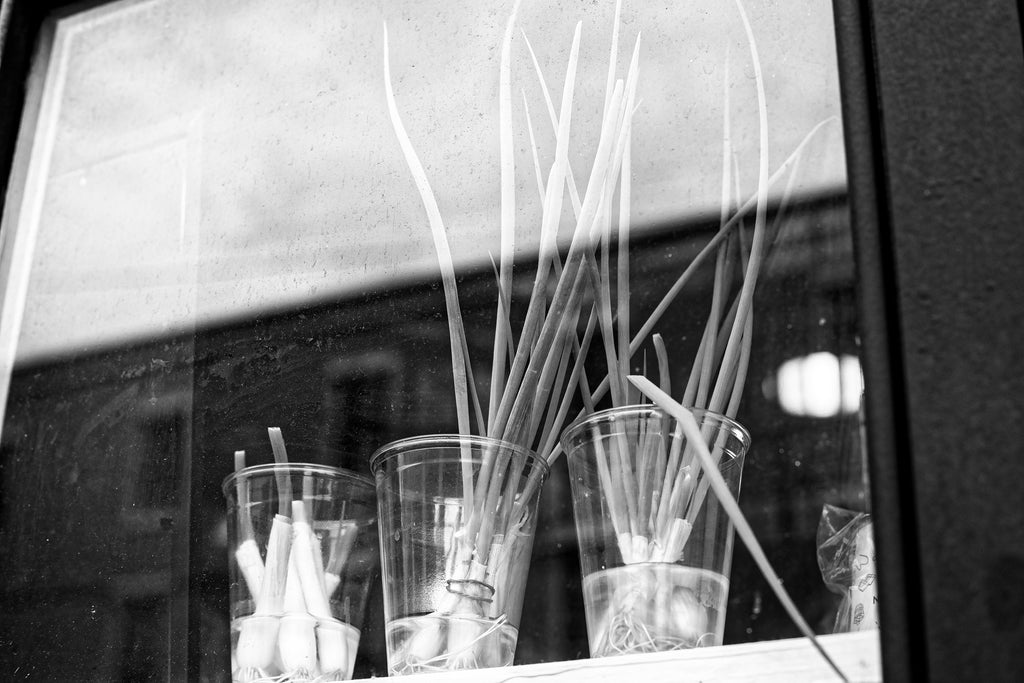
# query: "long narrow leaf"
574, 195
720, 397
576, 377
554, 189
542, 385
731, 507
721, 271
568, 283
491, 475
664, 376
473, 395
444, 257
693, 381
548, 409
612, 58
509, 335
603, 297
284, 486
718, 295
622, 270
622, 257
508, 216
456, 329
733, 406
533, 149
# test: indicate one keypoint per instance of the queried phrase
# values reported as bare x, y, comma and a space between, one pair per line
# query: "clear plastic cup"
655, 544
458, 516
302, 552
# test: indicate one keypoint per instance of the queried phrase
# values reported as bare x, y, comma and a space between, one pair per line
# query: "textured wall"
949, 103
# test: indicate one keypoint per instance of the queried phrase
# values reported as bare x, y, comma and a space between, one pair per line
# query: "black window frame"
933, 99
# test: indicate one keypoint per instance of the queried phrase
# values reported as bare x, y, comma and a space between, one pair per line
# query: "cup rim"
291, 468
393, 448
610, 414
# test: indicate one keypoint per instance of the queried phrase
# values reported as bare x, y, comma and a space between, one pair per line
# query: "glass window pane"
218, 233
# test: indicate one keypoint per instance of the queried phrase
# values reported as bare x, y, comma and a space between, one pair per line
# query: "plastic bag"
846, 557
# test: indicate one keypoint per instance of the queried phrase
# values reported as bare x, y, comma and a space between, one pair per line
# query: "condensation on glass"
211, 230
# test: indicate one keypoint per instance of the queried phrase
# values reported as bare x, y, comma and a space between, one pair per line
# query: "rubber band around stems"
459, 586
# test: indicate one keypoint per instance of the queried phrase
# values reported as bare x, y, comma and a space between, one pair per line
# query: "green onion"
532, 380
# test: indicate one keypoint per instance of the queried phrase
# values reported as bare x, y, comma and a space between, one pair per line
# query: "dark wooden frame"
934, 116
933, 96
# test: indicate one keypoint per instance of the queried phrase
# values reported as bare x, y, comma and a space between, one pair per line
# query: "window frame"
919, 157
910, 94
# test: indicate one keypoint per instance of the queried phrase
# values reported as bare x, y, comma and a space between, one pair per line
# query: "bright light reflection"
820, 385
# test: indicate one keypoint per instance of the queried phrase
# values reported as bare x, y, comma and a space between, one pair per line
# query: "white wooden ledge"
782, 661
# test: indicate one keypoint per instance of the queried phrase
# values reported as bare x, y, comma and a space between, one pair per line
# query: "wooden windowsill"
857, 654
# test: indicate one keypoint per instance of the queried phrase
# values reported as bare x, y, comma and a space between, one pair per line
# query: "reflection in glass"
218, 233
